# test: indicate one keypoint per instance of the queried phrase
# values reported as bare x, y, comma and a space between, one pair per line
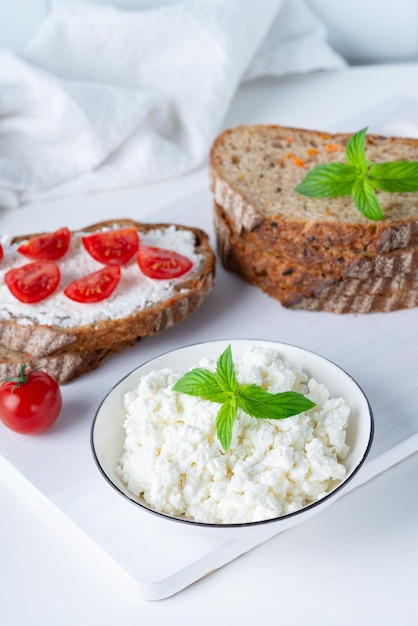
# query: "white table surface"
356, 563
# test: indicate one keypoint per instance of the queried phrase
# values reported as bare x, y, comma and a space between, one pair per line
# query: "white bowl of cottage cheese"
161, 449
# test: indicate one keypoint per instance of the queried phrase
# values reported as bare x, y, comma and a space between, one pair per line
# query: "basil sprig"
222, 387
360, 178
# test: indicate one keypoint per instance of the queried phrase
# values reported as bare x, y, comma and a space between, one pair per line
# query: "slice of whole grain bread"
253, 172
307, 279
62, 367
28, 336
333, 266
368, 288
352, 295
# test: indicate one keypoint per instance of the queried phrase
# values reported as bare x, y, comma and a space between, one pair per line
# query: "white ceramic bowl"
107, 433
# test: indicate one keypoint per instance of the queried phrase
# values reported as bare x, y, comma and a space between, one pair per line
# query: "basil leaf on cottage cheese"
222, 386
225, 422
200, 382
225, 372
258, 402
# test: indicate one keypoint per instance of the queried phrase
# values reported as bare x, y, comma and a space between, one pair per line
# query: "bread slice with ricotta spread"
253, 173
80, 334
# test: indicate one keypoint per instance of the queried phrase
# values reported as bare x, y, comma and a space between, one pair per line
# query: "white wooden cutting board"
57, 469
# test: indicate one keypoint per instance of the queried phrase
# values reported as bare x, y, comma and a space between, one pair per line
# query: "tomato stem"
22, 377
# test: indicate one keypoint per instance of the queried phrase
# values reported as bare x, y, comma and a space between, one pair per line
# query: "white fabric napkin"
104, 98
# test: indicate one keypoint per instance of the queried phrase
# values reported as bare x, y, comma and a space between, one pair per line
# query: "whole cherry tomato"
112, 247
160, 263
47, 247
30, 402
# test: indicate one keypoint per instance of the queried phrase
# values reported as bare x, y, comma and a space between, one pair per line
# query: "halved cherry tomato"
1, 252
33, 282
30, 402
48, 247
94, 287
161, 263
112, 247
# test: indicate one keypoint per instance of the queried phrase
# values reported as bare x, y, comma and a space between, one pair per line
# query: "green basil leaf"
225, 422
329, 180
225, 372
365, 199
396, 176
355, 151
257, 402
360, 178
202, 383
222, 387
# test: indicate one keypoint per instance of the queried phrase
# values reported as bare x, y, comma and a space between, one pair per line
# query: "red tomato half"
161, 263
112, 247
31, 402
1, 252
33, 282
48, 247
94, 287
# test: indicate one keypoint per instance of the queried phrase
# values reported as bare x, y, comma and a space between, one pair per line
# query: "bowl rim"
211, 525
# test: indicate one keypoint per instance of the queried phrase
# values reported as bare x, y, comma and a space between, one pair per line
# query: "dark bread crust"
352, 295
361, 290
253, 181
310, 245
40, 341
311, 275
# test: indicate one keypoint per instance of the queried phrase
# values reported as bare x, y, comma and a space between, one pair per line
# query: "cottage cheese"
134, 292
172, 456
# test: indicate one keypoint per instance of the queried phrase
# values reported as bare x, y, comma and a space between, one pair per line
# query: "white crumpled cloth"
104, 98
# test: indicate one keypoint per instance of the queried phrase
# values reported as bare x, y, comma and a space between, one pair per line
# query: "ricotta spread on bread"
134, 292
172, 456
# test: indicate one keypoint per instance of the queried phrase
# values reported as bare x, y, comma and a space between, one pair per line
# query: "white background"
363, 31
